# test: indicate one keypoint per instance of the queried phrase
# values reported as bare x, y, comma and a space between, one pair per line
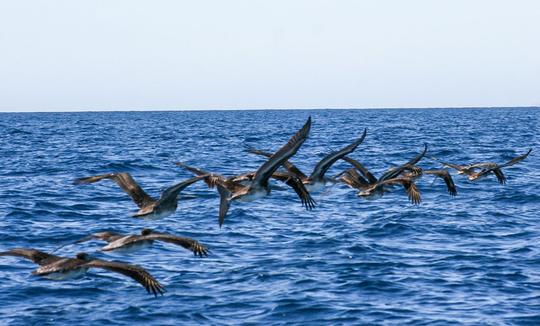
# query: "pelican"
361, 178
148, 207
486, 168
250, 188
367, 189
60, 268
316, 180
131, 242
439, 173
414, 172
212, 179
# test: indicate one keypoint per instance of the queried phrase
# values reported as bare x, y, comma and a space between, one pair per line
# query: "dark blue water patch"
472, 259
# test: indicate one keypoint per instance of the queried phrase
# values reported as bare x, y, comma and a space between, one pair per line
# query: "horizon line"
276, 109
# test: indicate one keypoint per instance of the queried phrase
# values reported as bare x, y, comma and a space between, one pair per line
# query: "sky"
180, 55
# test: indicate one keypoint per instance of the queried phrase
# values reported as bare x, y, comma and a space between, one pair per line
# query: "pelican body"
61, 268
149, 207
134, 242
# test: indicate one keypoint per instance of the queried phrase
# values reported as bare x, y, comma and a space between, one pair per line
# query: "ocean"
470, 259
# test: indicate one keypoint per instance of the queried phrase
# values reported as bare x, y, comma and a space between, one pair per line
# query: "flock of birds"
245, 187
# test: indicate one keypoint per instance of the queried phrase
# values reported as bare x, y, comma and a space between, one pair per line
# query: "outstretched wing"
353, 179
369, 176
445, 175
105, 236
410, 187
324, 164
287, 164
515, 160
190, 244
393, 173
36, 256
126, 182
173, 191
298, 186
211, 179
496, 168
500, 176
137, 273
284, 153
224, 202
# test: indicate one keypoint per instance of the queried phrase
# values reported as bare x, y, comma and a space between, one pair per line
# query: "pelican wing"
287, 164
224, 202
496, 168
137, 273
36, 256
190, 244
324, 164
515, 160
368, 175
284, 153
353, 179
298, 186
485, 165
59, 266
191, 169
211, 179
173, 191
105, 236
410, 187
456, 167
126, 182
393, 173
445, 175
500, 176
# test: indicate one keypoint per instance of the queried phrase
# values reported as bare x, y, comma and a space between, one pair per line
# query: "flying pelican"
486, 168
131, 242
367, 189
412, 172
250, 188
148, 207
212, 179
361, 178
316, 180
60, 268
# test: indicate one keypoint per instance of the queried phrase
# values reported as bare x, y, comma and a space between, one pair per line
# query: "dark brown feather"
137, 273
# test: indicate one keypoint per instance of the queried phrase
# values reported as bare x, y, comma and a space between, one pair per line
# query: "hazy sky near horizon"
135, 55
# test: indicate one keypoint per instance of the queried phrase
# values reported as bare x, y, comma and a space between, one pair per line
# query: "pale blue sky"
135, 55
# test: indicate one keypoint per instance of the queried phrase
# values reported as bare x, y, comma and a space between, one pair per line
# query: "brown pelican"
59, 268
439, 173
316, 180
367, 189
257, 186
473, 174
361, 178
415, 172
148, 207
122, 242
212, 179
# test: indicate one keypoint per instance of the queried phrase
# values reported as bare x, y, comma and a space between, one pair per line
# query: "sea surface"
473, 259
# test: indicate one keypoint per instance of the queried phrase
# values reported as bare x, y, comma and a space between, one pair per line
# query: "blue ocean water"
472, 259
